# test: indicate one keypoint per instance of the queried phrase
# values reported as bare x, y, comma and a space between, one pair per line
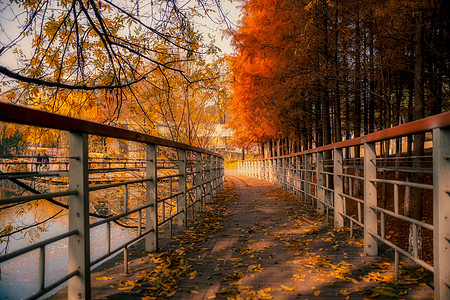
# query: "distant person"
45, 159
39, 162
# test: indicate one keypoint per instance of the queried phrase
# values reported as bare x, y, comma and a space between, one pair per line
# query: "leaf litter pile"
320, 261
173, 265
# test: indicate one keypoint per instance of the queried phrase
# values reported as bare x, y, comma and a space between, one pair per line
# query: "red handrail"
27, 116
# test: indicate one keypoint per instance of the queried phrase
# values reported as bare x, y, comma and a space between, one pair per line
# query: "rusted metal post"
151, 213
79, 287
370, 199
338, 189
441, 212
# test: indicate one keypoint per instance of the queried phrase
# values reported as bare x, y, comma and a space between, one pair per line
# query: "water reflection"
19, 276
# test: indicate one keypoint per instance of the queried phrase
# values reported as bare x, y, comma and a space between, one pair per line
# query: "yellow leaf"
316, 293
345, 292
286, 288
103, 278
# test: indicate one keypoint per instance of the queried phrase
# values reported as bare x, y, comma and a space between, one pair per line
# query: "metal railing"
362, 180
196, 175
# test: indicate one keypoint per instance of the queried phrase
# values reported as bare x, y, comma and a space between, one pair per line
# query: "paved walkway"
261, 243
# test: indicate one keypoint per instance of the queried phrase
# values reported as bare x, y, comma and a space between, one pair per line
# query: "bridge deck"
271, 246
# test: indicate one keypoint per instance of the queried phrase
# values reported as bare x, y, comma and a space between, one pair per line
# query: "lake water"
19, 276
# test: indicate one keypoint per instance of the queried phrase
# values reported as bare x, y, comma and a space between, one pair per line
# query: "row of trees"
314, 72
135, 64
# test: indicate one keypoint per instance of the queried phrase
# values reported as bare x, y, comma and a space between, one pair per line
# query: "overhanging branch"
38, 81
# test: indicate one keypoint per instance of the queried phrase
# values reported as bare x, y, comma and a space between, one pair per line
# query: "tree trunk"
416, 207
357, 106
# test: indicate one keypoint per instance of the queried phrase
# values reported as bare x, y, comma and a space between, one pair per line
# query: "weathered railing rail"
174, 179
365, 189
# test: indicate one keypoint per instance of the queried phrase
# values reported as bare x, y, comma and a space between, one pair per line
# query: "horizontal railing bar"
54, 285
352, 219
311, 195
191, 189
327, 189
62, 173
404, 218
126, 244
112, 218
351, 176
168, 176
33, 117
112, 170
37, 245
403, 252
405, 169
111, 185
192, 204
170, 218
325, 172
16, 175
404, 183
169, 197
37, 197
357, 167
403, 157
326, 204
351, 198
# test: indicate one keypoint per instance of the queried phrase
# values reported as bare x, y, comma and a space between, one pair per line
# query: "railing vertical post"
261, 166
283, 170
213, 175
247, 168
319, 190
222, 172
198, 181
338, 189
266, 169
274, 170
181, 199
208, 179
263, 169
298, 176
290, 174
295, 175
217, 174
441, 212
370, 199
307, 179
151, 213
79, 244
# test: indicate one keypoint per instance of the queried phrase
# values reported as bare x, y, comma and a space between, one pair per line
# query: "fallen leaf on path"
103, 278
286, 288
